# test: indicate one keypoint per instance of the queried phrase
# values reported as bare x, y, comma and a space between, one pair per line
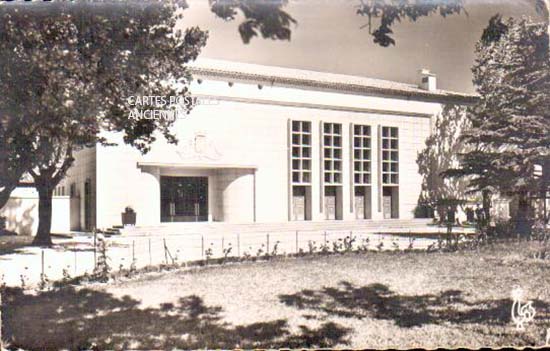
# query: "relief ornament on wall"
199, 148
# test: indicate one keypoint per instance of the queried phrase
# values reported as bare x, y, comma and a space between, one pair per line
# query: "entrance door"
184, 199
330, 203
390, 202
386, 206
298, 203
87, 205
359, 203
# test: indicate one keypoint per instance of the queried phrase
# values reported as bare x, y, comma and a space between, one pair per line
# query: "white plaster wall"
120, 184
21, 212
84, 168
237, 190
254, 135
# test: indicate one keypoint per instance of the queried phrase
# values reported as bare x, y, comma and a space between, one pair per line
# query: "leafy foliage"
66, 70
441, 154
74, 65
17, 155
510, 128
265, 17
269, 19
391, 11
494, 30
511, 123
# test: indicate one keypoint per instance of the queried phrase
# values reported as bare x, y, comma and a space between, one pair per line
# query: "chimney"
428, 80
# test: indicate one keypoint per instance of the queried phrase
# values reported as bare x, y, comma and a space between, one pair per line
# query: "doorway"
301, 203
333, 202
390, 202
184, 199
362, 202
87, 205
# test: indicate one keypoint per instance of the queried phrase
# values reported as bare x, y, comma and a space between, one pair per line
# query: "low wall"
21, 213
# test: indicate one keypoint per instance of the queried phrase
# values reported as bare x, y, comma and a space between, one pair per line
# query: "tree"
543, 7
67, 67
266, 17
66, 73
511, 121
16, 158
441, 154
390, 11
100, 41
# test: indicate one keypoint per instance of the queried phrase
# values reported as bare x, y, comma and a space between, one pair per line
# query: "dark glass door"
184, 199
87, 205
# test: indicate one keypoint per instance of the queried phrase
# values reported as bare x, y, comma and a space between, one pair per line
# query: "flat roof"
290, 77
195, 165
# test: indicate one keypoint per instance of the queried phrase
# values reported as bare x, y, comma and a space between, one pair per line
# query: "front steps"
114, 230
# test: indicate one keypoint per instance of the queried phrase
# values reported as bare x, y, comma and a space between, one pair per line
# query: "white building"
268, 144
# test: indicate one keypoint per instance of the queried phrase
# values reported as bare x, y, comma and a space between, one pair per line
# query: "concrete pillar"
237, 189
147, 197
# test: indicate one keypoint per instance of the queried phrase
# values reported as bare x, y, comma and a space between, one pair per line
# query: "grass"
367, 300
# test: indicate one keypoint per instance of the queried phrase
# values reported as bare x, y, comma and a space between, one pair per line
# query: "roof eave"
347, 88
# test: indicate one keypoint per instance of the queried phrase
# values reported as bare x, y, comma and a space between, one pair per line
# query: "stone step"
110, 231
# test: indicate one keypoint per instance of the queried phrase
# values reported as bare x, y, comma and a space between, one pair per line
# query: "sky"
328, 38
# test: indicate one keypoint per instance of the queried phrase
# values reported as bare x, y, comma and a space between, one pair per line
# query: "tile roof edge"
401, 90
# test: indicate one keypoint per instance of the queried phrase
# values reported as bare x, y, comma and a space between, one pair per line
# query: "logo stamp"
522, 312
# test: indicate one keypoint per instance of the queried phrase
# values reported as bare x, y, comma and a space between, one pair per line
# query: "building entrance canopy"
204, 191
145, 166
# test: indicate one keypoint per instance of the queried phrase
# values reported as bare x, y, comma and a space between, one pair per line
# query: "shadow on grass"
10, 244
85, 318
379, 302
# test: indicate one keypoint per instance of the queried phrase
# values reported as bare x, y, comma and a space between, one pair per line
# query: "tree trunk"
43, 235
441, 213
486, 195
523, 224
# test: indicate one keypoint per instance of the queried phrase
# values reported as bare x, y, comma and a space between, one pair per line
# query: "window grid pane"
301, 152
332, 155
361, 154
390, 156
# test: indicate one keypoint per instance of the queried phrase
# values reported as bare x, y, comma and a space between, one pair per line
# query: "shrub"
260, 251
337, 246
348, 243
226, 251
324, 248
102, 269
312, 248
275, 250
208, 253
364, 246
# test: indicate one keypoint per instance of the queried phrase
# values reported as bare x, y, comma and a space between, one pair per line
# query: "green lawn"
368, 300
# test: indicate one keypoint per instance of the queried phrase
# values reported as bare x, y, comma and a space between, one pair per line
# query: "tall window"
301, 152
361, 155
332, 153
332, 170
300, 167
390, 156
